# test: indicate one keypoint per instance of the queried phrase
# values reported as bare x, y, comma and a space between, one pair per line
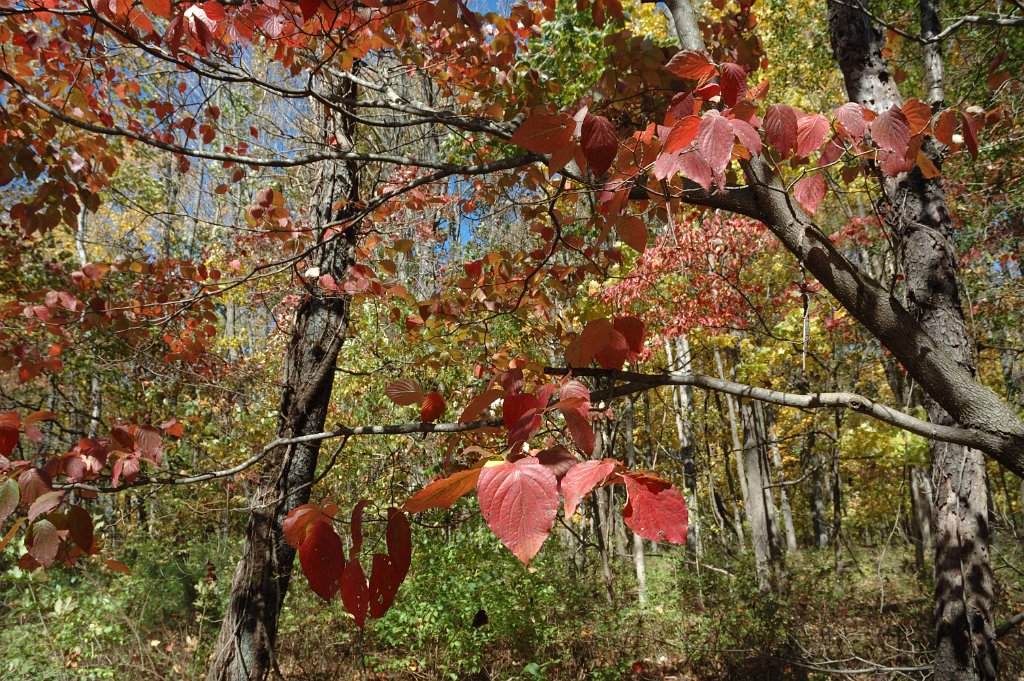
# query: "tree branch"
340, 431
820, 400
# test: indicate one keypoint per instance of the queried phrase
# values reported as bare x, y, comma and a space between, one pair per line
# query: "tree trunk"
760, 507
920, 506
918, 215
764, 414
682, 397
245, 649
639, 559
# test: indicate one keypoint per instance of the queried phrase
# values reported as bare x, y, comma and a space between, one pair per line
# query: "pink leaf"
780, 125
714, 139
583, 479
655, 510
811, 131
809, 191
850, 117
891, 131
519, 502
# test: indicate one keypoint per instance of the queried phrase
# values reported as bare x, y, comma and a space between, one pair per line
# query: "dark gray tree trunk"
245, 649
917, 213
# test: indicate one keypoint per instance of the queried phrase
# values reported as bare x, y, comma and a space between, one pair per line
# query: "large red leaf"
595, 336
632, 329
580, 429
714, 139
80, 528
682, 134
615, 353
544, 133
746, 135
399, 541
574, 395
433, 407
809, 191
633, 232
515, 407
654, 509
519, 502
583, 479
384, 583
443, 493
597, 139
918, 115
34, 483
811, 131
355, 593
558, 460
43, 542
945, 126
691, 64
44, 504
891, 131
850, 117
734, 83
404, 392
322, 558
300, 519
780, 125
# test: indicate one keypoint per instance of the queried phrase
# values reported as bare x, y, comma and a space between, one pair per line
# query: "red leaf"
693, 166
356, 529
32, 430
655, 510
399, 541
945, 126
34, 483
580, 429
714, 139
433, 407
809, 191
574, 395
615, 353
161, 8
309, 8
117, 566
583, 479
517, 406
558, 460
691, 64
970, 129
519, 502
10, 495
633, 232
214, 10
444, 492
297, 524
384, 583
682, 135
891, 131
80, 528
404, 392
44, 504
43, 542
478, 404
9, 424
632, 329
544, 133
733, 82
780, 125
850, 117
746, 135
681, 105
918, 115
811, 131
596, 335
355, 594
597, 139
322, 558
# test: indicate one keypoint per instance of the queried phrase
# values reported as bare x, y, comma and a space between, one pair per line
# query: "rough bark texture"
245, 649
916, 211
